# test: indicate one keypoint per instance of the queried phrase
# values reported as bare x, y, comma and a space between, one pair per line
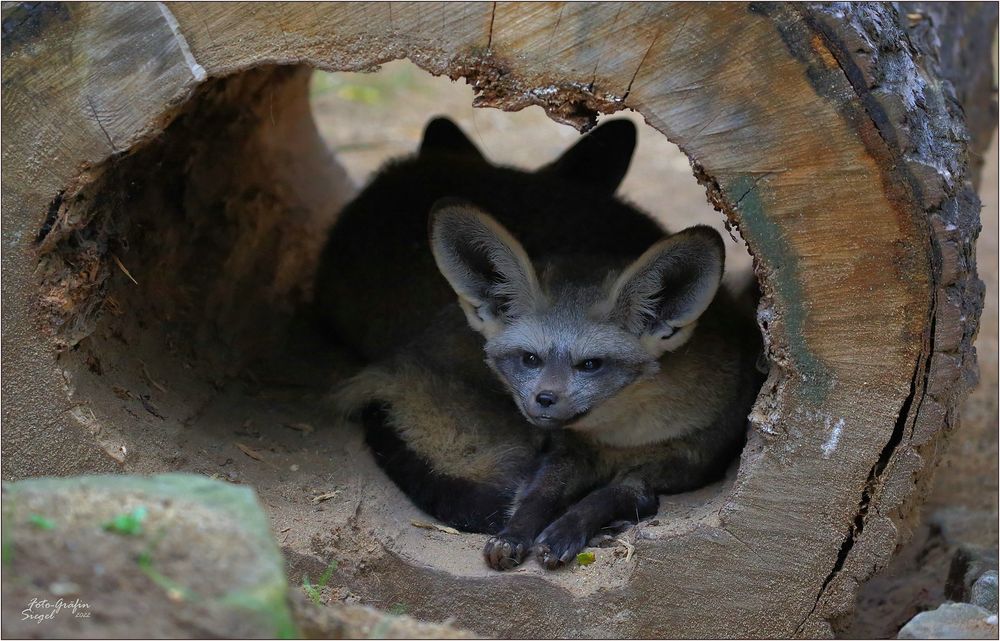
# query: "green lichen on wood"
767, 238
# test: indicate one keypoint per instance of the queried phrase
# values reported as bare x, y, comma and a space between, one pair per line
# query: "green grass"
41, 522
129, 524
314, 591
174, 590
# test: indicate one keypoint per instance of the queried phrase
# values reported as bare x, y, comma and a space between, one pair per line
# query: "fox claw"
559, 544
502, 553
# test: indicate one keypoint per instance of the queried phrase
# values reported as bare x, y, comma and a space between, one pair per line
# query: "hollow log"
165, 195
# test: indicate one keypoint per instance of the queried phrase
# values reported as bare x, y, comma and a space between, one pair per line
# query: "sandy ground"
369, 118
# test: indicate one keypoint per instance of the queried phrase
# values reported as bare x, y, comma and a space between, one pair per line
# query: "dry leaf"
301, 427
434, 526
252, 453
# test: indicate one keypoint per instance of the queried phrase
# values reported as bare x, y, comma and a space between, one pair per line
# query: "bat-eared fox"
592, 362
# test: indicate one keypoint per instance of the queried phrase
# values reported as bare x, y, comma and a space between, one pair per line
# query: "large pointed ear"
485, 265
660, 296
601, 158
442, 136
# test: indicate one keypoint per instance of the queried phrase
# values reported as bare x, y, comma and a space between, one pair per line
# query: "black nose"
545, 399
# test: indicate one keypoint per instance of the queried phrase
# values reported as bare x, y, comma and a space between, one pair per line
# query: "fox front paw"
559, 543
503, 552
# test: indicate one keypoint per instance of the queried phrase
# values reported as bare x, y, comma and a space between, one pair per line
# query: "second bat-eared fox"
592, 362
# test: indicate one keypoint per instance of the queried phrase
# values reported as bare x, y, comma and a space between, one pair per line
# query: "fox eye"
590, 365
531, 360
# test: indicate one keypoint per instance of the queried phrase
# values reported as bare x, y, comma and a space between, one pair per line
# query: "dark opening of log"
176, 279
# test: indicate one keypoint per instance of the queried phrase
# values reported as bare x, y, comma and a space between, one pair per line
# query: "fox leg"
629, 498
674, 467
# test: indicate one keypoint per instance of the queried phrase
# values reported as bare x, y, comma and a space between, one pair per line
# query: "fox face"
568, 338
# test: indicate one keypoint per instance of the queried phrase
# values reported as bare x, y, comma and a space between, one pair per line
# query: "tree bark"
955, 42
823, 133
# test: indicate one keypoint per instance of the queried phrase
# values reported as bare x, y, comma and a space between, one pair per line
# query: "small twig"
152, 381
252, 453
434, 526
326, 496
125, 271
629, 548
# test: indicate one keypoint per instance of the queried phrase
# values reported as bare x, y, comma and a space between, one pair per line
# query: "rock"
175, 555
169, 556
952, 621
984, 591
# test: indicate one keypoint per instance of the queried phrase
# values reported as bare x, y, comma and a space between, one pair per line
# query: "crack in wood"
918, 385
705, 126
743, 543
97, 119
208, 32
555, 29
489, 39
50, 218
917, 394
600, 54
866, 96
753, 187
642, 61
670, 49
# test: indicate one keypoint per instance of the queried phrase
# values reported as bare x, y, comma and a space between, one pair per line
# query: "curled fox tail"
467, 505
433, 451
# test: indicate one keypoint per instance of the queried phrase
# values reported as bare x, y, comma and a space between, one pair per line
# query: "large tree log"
171, 144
